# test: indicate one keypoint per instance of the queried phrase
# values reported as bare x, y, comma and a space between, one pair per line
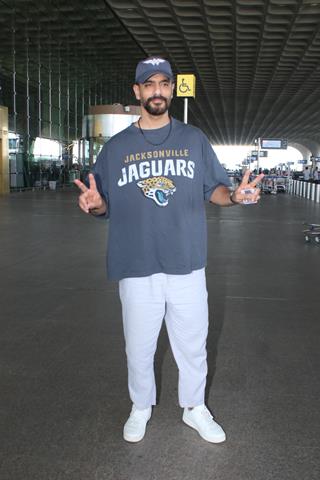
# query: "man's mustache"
156, 97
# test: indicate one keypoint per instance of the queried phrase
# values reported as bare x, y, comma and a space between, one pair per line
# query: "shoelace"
137, 415
205, 412
134, 422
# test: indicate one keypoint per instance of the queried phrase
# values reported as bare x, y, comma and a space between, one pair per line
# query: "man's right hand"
90, 200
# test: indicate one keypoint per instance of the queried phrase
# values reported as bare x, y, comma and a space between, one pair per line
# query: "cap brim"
144, 78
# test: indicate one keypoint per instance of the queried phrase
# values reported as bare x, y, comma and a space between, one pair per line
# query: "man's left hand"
247, 192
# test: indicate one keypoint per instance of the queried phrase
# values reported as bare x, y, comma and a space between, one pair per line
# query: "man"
151, 181
316, 175
306, 174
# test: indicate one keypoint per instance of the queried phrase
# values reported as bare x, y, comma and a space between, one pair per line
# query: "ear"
136, 90
172, 91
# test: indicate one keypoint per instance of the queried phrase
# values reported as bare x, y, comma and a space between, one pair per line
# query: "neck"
149, 122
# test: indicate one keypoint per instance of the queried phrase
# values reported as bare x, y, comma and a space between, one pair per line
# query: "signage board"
262, 153
186, 85
275, 143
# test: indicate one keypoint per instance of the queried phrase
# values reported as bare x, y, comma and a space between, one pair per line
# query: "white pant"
182, 301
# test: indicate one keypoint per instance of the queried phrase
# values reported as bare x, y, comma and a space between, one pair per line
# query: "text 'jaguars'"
156, 168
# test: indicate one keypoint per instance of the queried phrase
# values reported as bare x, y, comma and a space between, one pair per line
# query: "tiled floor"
63, 393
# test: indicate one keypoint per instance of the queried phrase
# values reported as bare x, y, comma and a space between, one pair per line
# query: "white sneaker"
135, 427
201, 420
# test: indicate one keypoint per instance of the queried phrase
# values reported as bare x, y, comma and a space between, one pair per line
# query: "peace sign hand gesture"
247, 192
90, 200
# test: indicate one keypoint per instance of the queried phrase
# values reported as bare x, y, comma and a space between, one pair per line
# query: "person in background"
306, 174
316, 175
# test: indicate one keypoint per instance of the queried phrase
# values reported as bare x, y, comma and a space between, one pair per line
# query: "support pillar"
4, 154
90, 152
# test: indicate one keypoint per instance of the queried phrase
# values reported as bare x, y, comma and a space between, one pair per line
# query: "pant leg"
187, 325
143, 309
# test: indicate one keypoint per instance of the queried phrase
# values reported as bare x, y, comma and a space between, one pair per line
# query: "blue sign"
303, 161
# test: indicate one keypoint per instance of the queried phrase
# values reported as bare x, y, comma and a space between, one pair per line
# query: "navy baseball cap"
151, 66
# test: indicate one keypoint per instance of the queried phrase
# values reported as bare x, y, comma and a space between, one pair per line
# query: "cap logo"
154, 61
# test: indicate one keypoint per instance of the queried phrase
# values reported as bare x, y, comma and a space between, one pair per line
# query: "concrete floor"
63, 392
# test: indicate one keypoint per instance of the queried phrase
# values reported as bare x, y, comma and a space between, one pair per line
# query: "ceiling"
257, 63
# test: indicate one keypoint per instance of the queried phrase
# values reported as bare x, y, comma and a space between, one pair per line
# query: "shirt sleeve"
214, 173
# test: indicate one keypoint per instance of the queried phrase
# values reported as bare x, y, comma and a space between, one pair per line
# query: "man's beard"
158, 110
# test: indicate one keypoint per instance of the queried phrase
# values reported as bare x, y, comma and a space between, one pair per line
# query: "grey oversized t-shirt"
155, 196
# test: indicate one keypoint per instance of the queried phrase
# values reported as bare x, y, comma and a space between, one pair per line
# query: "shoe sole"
192, 425
133, 439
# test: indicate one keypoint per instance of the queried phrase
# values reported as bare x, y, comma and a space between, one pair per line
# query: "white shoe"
201, 420
135, 427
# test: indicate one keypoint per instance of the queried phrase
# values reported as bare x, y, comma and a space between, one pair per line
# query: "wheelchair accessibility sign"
186, 85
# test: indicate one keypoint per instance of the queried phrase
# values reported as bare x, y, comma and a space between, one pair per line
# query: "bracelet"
92, 210
232, 201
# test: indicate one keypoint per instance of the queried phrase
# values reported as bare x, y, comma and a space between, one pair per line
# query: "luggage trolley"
267, 184
281, 184
312, 233
274, 184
